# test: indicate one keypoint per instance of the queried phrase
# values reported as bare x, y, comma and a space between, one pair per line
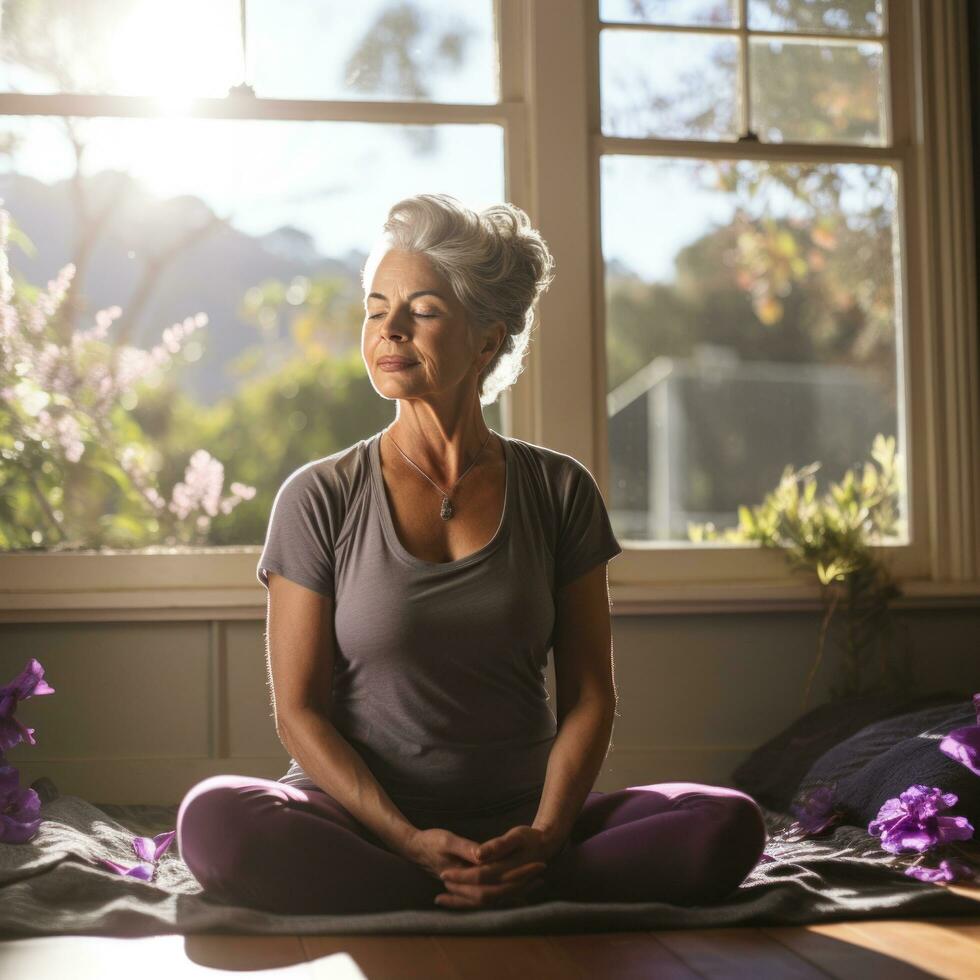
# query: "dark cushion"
773, 772
885, 758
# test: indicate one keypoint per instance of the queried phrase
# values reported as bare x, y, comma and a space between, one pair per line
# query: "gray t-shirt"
439, 678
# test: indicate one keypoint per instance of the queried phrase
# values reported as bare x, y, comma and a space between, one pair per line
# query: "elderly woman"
416, 582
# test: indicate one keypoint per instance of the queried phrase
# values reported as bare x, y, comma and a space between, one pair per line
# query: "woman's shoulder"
553, 466
338, 473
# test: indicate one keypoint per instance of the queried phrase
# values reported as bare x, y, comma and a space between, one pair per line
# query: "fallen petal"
163, 842
953, 828
963, 746
142, 871
153, 848
20, 815
951, 870
18, 831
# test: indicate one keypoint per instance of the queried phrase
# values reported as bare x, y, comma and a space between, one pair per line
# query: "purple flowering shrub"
65, 407
20, 808
912, 822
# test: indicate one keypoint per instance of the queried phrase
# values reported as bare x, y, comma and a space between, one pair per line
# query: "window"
754, 167
751, 304
758, 209
224, 236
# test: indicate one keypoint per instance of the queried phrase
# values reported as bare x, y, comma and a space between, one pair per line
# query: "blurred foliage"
833, 537
76, 470
812, 288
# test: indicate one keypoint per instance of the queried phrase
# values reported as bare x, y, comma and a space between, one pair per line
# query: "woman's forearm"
576, 758
331, 762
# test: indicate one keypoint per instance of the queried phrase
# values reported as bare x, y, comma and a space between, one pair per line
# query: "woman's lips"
386, 365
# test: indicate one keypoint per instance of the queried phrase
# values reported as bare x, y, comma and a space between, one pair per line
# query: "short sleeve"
298, 540
585, 536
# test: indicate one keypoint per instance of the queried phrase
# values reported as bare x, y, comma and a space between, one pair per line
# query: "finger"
519, 895
466, 849
485, 892
524, 872
497, 847
491, 873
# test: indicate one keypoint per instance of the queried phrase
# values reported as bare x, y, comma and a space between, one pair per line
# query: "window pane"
715, 13
681, 86
812, 92
263, 227
122, 47
752, 324
822, 16
377, 49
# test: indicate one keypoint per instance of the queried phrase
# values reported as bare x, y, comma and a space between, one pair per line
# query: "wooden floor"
889, 949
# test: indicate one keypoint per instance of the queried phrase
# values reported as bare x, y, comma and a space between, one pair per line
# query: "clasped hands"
502, 871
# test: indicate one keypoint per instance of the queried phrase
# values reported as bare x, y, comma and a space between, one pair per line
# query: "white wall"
136, 719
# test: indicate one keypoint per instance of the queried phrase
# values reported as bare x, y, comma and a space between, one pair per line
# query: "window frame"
549, 113
747, 562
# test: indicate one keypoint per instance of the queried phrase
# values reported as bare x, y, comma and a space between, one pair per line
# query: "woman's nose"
391, 327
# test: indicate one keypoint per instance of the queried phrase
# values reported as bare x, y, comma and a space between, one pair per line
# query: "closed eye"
424, 316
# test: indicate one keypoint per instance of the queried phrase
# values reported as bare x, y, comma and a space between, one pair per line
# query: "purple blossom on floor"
20, 809
948, 870
149, 850
911, 821
963, 744
29, 682
815, 810
153, 848
143, 871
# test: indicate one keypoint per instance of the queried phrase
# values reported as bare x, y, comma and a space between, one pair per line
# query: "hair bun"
496, 263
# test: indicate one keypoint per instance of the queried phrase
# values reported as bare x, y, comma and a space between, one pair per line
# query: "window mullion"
748, 150
744, 94
325, 110
566, 360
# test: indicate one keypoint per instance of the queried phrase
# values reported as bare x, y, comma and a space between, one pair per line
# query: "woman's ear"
495, 337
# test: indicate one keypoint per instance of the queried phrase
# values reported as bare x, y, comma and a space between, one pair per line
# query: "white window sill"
220, 584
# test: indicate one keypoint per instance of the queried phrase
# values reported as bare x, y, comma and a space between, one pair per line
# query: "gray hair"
495, 262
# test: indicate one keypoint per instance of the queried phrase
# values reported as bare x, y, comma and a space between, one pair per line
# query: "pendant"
446, 511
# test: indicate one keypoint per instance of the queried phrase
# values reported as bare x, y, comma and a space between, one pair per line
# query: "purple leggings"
278, 847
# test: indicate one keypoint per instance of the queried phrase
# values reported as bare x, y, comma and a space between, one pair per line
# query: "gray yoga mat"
53, 885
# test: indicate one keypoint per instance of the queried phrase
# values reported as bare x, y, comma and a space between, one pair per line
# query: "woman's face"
410, 312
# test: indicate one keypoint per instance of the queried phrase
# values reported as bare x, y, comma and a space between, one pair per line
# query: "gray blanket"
54, 885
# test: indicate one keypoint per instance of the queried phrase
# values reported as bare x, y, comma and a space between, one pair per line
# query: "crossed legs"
269, 845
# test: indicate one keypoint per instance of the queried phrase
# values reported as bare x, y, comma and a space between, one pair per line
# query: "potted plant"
833, 537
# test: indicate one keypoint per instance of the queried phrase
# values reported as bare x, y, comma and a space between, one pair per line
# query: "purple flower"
19, 808
143, 871
149, 850
815, 810
911, 821
26, 684
951, 870
153, 848
963, 744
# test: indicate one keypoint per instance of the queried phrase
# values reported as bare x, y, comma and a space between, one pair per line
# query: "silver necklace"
446, 510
